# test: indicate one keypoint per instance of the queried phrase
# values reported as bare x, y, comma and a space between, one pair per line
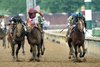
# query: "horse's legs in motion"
23, 51
84, 50
4, 42
80, 51
13, 50
17, 50
75, 47
70, 48
30, 49
33, 47
42, 47
38, 48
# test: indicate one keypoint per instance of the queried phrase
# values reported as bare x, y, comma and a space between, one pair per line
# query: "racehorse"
76, 40
35, 39
3, 35
17, 39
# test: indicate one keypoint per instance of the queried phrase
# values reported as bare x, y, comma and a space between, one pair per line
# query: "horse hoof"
80, 55
38, 60
23, 53
84, 60
42, 53
31, 59
69, 57
85, 50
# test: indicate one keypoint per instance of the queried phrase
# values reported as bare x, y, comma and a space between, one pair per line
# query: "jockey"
81, 17
17, 19
36, 18
73, 19
2, 23
14, 20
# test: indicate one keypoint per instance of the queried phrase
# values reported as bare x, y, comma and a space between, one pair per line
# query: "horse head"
80, 25
19, 29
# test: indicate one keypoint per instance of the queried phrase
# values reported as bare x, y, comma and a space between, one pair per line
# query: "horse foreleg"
33, 47
84, 50
30, 49
80, 51
4, 42
23, 51
8, 41
70, 48
13, 50
17, 50
8, 44
76, 58
38, 48
42, 48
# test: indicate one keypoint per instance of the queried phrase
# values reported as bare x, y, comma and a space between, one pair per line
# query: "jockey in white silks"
33, 22
3, 27
35, 18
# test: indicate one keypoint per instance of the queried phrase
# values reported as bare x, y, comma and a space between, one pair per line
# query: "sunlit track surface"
56, 55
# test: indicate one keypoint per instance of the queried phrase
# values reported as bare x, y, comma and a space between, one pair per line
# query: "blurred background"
55, 12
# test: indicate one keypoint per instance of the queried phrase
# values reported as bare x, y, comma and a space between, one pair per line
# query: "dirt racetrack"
56, 55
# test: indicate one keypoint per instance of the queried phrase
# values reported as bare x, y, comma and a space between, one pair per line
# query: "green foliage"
61, 5
13, 7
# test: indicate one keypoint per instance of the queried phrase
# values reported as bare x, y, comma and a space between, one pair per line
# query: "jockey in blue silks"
73, 19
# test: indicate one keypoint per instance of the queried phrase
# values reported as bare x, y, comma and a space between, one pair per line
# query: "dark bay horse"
35, 39
17, 39
76, 40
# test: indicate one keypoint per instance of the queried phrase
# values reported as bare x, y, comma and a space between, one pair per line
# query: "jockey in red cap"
35, 18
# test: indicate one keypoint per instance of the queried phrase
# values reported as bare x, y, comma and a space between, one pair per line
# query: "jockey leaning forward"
17, 19
13, 21
72, 20
36, 18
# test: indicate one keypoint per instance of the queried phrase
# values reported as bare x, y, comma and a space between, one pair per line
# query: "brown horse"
17, 39
3, 36
35, 39
76, 40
